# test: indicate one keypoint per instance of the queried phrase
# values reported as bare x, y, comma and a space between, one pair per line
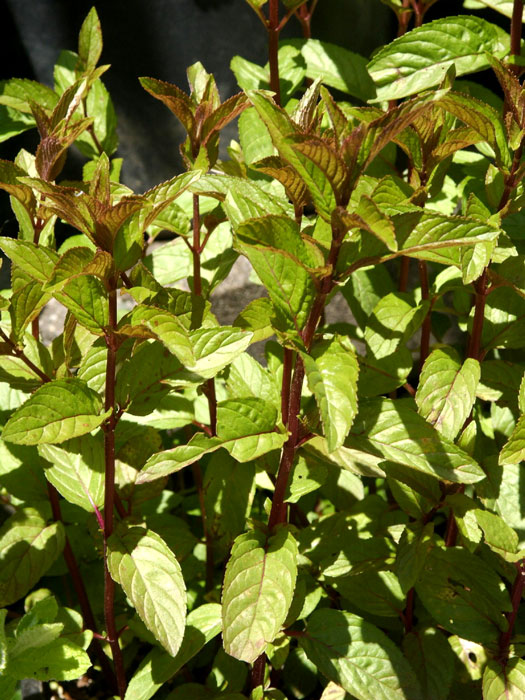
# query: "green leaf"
246, 377
90, 41
393, 320
283, 133
433, 661
141, 562
447, 390
412, 550
513, 451
25, 305
359, 657
502, 6
57, 411
421, 58
257, 593
332, 371
436, 237
504, 682
202, 625
280, 258
229, 488
76, 470
499, 536
85, 296
392, 430
39, 652
503, 326
337, 67
28, 547
37, 261
464, 594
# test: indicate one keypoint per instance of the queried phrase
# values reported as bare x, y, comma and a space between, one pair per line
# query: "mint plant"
344, 519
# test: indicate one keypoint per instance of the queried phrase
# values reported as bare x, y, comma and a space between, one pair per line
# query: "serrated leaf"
85, 296
258, 589
332, 371
463, 594
447, 390
141, 562
337, 67
202, 625
499, 536
28, 547
246, 428
503, 6
433, 661
36, 261
436, 237
59, 659
393, 320
76, 470
504, 682
391, 429
412, 550
25, 305
359, 657
513, 451
279, 255
503, 326
420, 59
57, 411
90, 41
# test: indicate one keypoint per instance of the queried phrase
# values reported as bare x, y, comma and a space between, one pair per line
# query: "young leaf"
359, 657
90, 41
420, 59
447, 390
258, 588
141, 562
28, 547
57, 411
332, 371
394, 431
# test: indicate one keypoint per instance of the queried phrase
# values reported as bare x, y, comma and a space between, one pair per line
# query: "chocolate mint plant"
343, 519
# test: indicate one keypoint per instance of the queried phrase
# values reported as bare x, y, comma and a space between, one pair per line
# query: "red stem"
403, 274
259, 667
288, 359
474, 347
109, 496
80, 589
209, 392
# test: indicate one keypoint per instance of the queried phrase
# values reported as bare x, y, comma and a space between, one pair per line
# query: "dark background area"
160, 38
